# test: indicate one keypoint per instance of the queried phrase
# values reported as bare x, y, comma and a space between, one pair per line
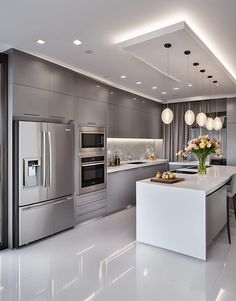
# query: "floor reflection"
101, 261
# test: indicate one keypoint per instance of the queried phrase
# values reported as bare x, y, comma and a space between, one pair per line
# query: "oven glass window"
92, 175
92, 140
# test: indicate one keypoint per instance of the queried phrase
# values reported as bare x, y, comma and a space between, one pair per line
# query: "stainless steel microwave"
92, 139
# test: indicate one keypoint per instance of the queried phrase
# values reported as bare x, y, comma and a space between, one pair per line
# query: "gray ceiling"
102, 24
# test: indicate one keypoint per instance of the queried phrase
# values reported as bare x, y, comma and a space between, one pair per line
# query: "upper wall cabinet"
231, 110
28, 101
90, 89
61, 81
61, 106
41, 88
91, 112
130, 116
30, 71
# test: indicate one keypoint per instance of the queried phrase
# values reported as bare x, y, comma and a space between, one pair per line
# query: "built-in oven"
92, 139
92, 173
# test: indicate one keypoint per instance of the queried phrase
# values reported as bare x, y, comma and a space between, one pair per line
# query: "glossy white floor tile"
100, 261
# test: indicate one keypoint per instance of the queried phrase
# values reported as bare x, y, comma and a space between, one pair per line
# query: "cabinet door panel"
61, 106
92, 112
61, 81
128, 123
113, 121
231, 110
30, 71
30, 101
231, 142
90, 89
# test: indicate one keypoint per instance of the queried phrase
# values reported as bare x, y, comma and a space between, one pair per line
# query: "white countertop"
186, 163
126, 166
216, 177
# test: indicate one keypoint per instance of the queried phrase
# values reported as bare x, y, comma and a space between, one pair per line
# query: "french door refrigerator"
43, 182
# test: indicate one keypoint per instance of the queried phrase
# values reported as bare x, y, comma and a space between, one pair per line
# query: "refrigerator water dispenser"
32, 169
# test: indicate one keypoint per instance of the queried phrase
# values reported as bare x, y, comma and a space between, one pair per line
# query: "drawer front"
91, 197
90, 215
42, 220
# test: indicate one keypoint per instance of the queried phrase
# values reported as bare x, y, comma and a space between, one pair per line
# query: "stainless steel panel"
44, 219
35, 223
64, 214
61, 163
30, 146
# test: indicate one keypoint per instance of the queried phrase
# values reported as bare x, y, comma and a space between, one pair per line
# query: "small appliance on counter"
43, 180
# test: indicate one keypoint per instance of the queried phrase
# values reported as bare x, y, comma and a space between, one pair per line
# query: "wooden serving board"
171, 181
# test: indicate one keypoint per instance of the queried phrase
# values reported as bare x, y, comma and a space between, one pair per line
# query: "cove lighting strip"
172, 20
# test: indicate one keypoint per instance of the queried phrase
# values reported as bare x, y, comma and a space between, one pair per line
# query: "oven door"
92, 177
92, 139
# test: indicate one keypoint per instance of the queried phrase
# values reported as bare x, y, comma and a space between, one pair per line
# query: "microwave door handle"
44, 158
50, 158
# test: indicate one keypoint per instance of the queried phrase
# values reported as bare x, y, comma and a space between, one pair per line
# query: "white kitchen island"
183, 217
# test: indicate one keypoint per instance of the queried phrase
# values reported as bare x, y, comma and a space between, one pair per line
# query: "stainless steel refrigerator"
43, 182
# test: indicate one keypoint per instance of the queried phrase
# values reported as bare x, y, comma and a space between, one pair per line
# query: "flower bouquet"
202, 147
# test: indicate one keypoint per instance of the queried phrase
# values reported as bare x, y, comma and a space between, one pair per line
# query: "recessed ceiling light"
123, 76
134, 98
154, 88
163, 93
41, 42
190, 85
77, 42
98, 86
111, 93
138, 83
176, 88
89, 51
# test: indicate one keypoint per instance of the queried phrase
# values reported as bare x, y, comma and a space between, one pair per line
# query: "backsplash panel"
134, 149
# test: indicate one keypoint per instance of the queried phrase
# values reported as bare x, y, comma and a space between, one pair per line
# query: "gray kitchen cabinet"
113, 121
121, 190
121, 186
30, 71
30, 101
61, 106
131, 116
90, 89
61, 80
90, 205
231, 110
231, 143
92, 112
127, 123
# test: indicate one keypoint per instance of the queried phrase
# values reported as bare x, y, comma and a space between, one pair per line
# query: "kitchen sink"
190, 172
137, 162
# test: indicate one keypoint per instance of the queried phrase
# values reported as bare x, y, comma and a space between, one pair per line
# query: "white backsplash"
134, 149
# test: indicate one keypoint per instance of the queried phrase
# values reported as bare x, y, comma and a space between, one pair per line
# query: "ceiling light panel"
149, 50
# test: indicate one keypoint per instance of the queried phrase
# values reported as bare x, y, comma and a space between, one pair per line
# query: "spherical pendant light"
201, 119
210, 123
189, 117
217, 124
167, 116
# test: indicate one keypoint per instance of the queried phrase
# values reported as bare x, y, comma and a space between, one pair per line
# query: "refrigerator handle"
50, 157
44, 158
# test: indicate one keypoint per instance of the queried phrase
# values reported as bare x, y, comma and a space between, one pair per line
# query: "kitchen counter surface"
216, 177
126, 166
186, 163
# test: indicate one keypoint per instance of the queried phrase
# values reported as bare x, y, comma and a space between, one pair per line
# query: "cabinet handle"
91, 122
60, 117
29, 114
